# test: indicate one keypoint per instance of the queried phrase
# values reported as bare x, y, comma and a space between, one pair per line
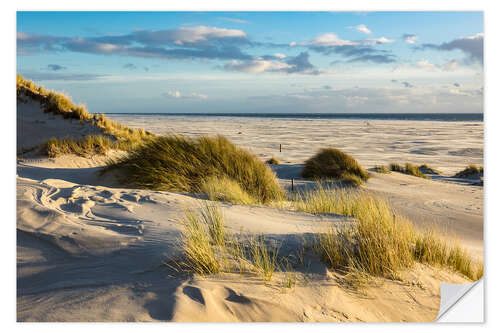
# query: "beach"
90, 249
446, 145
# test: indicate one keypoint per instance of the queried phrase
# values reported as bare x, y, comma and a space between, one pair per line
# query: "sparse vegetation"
352, 180
88, 146
381, 169
427, 170
263, 258
273, 160
471, 171
227, 190
200, 253
409, 169
176, 163
114, 135
379, 242
430, 248
208, 249
334, 164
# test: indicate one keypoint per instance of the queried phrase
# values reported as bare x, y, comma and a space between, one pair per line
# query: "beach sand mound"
95, 253
35, 127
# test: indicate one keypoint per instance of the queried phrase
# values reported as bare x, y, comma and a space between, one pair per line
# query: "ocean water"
360, 116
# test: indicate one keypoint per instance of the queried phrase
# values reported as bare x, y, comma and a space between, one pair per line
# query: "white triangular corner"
462, 303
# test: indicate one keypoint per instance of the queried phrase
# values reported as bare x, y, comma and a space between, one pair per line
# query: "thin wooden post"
292, 184
280, 147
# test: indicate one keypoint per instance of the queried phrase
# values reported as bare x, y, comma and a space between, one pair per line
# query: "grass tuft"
208, 249
331, 163
273, 160
88, 146
379, 242
264, 259
425, 169
381, 169
176, 163
227, 190
409, 169
200, 255
471, 171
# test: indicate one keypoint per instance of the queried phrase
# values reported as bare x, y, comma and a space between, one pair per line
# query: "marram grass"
331, 163
176, 163
470, 171
227, 190
409, 169
208, 249
379, 242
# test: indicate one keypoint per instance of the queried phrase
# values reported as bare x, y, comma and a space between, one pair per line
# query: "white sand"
448, 146
88, 250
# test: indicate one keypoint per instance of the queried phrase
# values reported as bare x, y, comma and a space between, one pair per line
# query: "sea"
360, 116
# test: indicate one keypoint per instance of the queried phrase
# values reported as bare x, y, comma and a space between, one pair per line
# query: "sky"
268, 62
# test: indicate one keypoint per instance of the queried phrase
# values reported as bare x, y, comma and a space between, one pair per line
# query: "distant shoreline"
355, 116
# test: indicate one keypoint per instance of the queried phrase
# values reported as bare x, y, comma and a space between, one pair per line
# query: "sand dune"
94, 253
89, 250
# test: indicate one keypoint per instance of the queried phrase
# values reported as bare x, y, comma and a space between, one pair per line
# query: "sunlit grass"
225, 189
334, 164
379, 242
176, 163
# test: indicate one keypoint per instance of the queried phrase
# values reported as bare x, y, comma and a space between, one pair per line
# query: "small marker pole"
280, 147
292, 184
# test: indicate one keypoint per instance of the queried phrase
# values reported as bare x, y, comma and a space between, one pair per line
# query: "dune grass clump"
425, 169
208, 249
471, 171
273, 160
331, 163
381, 169
327, 199
88, 146
227, 190
263, 258
176, 163
379, 242
409, 169
432, 249
201, 234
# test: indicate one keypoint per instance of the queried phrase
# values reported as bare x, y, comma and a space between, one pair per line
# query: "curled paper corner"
462, 302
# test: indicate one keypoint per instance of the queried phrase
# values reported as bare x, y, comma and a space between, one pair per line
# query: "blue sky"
257, 61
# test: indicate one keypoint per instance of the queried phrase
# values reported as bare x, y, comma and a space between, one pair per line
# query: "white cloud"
280, 55
198, 96
202, 33
177, 95
256, 66
450, 66
425, 64
381, 40
292, 44
362, 28
330, 39
409, 38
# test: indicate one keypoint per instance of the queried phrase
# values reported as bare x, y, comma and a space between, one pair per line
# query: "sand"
448, 146
89, 250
